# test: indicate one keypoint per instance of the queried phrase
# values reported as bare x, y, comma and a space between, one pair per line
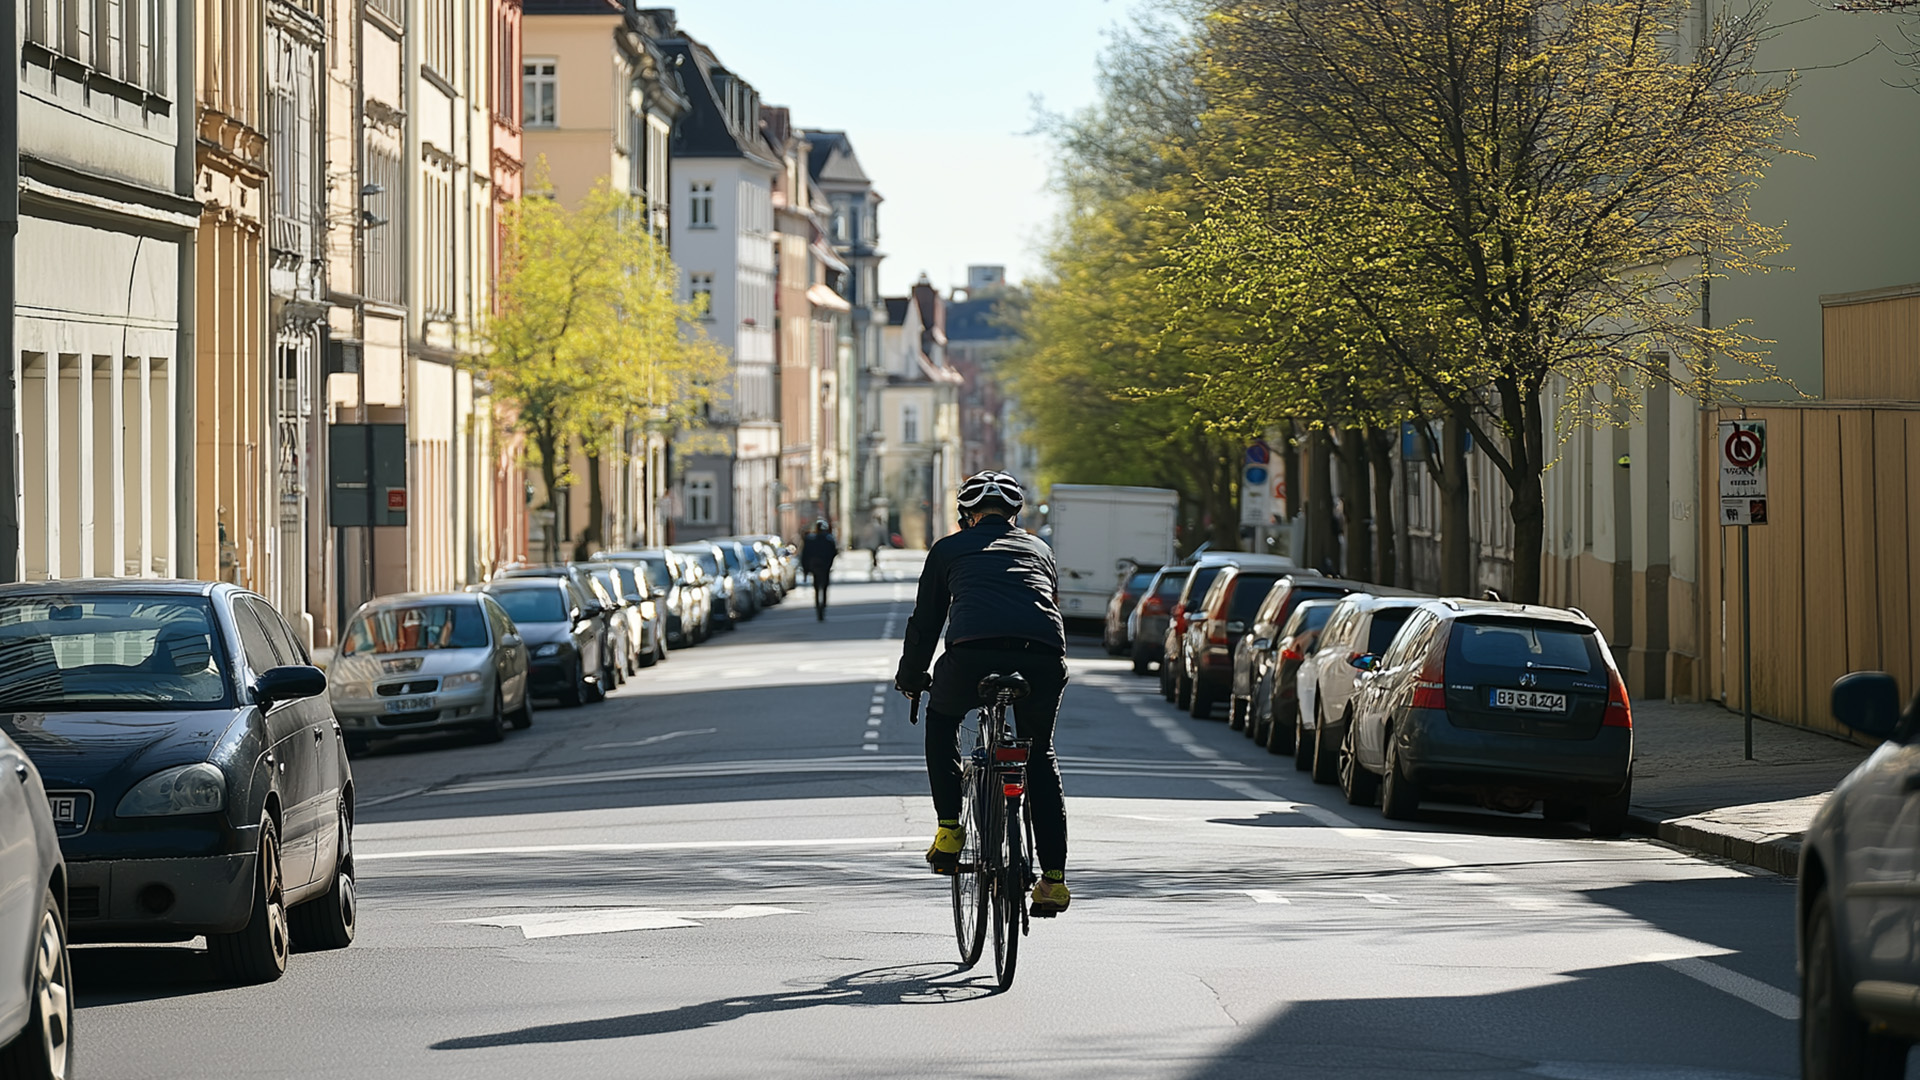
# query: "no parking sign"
1743, 472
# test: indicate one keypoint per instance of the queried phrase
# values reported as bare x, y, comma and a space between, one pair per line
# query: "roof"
975, 320
401, 599
1250, 560
1531, 612
75, 586
832, 159
525, 583
709, 129
572, 7
897, 309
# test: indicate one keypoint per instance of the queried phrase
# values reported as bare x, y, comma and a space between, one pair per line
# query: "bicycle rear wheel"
1009, 890
970, 888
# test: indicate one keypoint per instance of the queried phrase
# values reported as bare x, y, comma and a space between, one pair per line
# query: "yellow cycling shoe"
944, 855
1050, 898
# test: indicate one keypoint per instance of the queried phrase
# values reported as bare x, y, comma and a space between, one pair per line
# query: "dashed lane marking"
1266, 896
1748, 989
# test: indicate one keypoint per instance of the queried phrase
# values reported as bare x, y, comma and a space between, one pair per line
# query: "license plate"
1529, 701
71, 809
409, 704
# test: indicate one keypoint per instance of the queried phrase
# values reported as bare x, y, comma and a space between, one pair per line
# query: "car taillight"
1154, 606
1619, 711
1292, 652
1430, 690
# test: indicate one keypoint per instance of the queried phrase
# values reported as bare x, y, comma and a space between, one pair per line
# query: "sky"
937, 98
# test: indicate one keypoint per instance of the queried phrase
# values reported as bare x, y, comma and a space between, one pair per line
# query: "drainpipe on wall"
9, 228
186, 434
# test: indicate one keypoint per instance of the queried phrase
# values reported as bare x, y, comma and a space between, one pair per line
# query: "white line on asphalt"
873, 721
546, 924
871, 735
650, 740
362, 855
362, 804
1306, 810
1377, 898
877, 710
1475, 877
1425, 861
1750, 990
872, 747
1266, 896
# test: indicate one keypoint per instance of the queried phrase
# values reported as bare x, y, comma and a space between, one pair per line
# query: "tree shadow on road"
916, 984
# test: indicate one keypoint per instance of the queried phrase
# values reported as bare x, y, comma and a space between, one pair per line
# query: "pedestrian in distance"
817, 553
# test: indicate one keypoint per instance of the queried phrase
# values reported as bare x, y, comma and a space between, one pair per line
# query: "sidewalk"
1692, 787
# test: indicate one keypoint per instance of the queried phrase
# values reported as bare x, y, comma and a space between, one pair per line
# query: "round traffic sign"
1256, 475
1743, 449
1257, 454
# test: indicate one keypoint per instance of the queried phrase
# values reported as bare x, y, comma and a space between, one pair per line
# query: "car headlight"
648, 611
551, 648
459, 679
350, 691
188, 789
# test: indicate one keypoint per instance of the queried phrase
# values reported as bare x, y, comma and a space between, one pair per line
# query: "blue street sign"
1256, 475
1257, 454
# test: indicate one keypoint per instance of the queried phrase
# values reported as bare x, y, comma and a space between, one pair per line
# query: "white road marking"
873, 735
873, 721
1475, 877
877, 710
1377, 898
1424, 861
1306, 810
871, 746
362, 855
1728, 981
1266, 896
546, 924
1584, 1070
650, 740
362, 804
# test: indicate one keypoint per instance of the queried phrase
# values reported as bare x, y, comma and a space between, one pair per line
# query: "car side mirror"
1869, 703
1262, 644
288, 683
1365, 662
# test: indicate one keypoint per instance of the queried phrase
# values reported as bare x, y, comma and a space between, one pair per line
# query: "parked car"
598, 607
1215, 631
1357, 634
564, 641
652, 575
1148, 622
1181, 649
36, 1005
762, 570
1503, 704
1857, 909
725, 611
1287, 593
1116, 635
430, 662
634, 610
739, 565
197, 775
1273, 710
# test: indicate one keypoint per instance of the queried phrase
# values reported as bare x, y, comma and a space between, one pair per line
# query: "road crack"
1218, 1002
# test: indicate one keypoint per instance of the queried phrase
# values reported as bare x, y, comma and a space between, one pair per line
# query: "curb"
1777, 852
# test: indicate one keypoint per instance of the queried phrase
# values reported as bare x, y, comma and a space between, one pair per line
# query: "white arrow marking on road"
546, 924
1266, 896
649, 741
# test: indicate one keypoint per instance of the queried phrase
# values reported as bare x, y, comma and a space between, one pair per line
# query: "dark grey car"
36, 980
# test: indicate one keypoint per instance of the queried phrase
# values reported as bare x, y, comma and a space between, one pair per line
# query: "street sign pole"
1746, 639
1743, 502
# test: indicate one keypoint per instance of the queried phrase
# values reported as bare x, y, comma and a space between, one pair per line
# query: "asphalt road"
717, 873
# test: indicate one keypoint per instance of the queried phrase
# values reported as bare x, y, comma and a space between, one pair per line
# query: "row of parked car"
178, 765
569, 633
1397, 697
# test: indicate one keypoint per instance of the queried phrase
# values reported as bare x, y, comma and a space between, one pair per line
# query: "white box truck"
1094, 527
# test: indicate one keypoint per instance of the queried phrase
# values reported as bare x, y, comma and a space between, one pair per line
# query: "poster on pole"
1743, 472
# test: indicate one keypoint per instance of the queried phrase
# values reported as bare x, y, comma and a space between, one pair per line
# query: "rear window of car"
416, 628
732, 555
532, 605
1384, 625
707, 562
118, 651
1249, 591
1512, 646
658, 574
1308, 617
1170, 584
1139, 580
1200, 582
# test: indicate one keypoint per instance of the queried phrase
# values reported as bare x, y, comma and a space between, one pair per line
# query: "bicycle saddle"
1014, 685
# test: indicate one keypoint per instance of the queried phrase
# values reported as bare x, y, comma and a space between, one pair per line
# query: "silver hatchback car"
430, 662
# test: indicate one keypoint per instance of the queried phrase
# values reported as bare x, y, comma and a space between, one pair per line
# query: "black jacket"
817, 552
990, 581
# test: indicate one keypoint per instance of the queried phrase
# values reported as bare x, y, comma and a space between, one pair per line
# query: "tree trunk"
1456, 513
1321, 552
1226, 515
547, 444
1528, 504
1290, 470
1380, 456
1355, 495
590, 537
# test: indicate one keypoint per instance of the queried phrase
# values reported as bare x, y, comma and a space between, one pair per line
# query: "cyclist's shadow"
915, 984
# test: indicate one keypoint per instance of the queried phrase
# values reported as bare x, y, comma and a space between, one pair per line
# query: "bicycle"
995, 870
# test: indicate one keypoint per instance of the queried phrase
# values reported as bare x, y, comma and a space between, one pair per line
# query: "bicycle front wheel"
970, 888
1009, 889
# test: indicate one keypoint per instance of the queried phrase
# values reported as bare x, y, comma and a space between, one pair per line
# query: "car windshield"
1138, 581
111, 651
1386, 623
532, 605
732, 555
658, 575
1516, 645
1202, 581
611, 582
416, 628
1248, 593
1309, 617
707, 562
1169, 586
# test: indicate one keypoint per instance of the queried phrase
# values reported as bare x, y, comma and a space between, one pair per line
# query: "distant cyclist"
817, 553
992, 586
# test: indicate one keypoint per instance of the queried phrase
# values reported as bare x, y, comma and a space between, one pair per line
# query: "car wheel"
328, 923
654, 655
1199, 700
1356, 783
1236, 714
1182, 691
594, 692
660, 651
356, 745
1325, 758
523, 718
1608, 817
494, 727
1835, 1043
1399, 797
257, 953
44, 1048
1141, 665
1303, 742
1166, 680
1281, 737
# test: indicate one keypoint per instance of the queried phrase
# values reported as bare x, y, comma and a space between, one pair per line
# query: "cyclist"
993, 586
817, 553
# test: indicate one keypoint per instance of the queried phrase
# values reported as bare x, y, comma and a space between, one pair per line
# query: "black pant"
821, 579
956, 679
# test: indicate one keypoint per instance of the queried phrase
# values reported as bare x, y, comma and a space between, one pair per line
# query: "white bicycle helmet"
991, 487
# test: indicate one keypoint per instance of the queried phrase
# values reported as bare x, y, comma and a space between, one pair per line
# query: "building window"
909, 424
124, 40
700, 292
540, 93
700, 498
700, 204
439, 43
